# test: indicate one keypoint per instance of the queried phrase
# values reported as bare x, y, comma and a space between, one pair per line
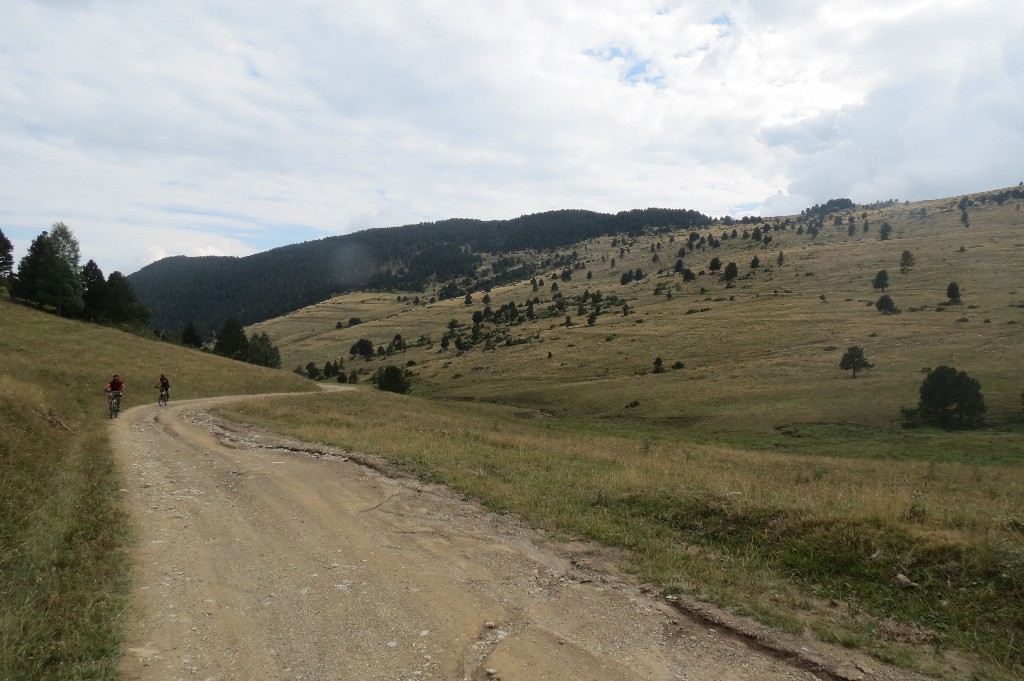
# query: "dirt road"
261, 558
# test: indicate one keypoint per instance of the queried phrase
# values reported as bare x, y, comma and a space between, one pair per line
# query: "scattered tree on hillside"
312, 371
886, 305
950, 399
731, 272
953, 292
264, 353
884, 231
854, 360
364, 348
231, 341
391, 379
755, 262
906, 262
715, 264
881, 281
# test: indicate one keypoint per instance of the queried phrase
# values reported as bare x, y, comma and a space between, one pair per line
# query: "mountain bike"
165, 395
114, 403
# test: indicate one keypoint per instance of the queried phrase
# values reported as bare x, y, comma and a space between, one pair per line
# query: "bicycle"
165, 395
114, 403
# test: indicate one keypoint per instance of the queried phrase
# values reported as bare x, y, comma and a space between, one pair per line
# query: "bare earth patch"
266, 558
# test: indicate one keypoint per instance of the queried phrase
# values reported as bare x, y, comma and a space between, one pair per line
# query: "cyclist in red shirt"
115, 384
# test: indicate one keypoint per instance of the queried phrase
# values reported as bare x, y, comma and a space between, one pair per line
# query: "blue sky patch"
637, 70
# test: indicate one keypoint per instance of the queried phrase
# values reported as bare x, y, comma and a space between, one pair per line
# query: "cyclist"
165, 388
116, 388
115, 385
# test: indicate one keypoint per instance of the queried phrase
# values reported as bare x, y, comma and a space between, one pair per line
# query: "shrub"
392, 379
886, 305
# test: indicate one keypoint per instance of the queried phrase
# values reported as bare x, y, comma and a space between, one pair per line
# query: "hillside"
64, 537
258, 287
768, 346
750, 471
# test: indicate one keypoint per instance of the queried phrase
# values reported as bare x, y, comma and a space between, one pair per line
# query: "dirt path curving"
264, 558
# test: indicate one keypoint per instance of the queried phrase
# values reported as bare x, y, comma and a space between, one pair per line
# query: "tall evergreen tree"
48, 275
231, 340
31, 268
94, 286
6, 256
123, 307
264, 353
906, 262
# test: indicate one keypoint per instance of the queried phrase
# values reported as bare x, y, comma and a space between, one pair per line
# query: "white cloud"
219, 127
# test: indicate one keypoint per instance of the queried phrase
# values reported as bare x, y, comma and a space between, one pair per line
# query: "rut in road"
264, 558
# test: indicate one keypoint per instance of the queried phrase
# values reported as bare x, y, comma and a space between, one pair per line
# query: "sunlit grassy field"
64, 537
760, 354
757, 474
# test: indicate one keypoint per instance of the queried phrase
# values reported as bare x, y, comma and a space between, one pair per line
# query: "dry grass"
796, 481
780, 536
64, 538
767, 348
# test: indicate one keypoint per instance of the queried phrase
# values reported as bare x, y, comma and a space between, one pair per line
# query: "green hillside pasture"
761, 357
795, 540
65, 540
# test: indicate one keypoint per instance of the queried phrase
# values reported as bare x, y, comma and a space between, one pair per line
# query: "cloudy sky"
197, 127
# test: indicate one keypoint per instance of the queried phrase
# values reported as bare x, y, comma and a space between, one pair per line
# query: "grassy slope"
767, 349
795, 479
64, 538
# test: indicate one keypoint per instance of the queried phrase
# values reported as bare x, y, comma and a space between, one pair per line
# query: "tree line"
409, 258
49, 276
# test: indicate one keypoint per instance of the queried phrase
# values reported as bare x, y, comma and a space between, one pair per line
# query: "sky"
218, 127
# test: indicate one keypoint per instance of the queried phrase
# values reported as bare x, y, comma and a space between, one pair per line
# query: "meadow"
65, 539
751, 471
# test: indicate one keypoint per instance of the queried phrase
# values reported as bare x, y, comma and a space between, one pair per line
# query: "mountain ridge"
254, 288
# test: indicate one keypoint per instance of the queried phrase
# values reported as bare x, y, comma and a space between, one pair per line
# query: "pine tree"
231, 340
854, 360
6, 256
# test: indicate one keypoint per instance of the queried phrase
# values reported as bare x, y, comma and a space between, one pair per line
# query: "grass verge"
798, 541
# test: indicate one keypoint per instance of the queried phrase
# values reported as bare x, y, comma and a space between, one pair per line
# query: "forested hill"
207, 290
